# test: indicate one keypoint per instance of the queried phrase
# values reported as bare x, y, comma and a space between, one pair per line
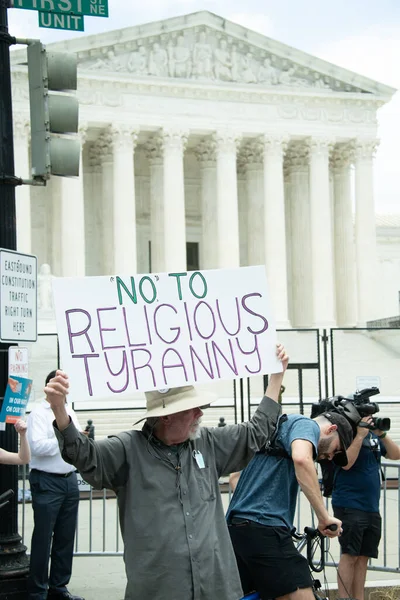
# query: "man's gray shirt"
177, 544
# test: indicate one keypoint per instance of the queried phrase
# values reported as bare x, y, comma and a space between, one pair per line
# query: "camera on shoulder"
354, 408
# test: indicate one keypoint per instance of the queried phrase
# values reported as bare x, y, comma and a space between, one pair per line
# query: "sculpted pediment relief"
203, 54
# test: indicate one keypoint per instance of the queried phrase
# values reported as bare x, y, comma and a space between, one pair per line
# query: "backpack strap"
271, 448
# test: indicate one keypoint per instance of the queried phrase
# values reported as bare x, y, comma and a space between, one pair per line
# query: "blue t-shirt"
267, 488
360, 486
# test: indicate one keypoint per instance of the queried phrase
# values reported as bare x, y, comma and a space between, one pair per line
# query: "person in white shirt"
55, 498
21, 457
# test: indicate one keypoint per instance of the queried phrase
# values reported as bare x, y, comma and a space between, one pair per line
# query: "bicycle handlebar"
4, 498
311, 532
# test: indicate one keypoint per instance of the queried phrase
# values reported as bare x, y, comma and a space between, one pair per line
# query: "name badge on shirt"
199, 459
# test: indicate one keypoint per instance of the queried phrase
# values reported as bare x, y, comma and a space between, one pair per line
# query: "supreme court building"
206, 145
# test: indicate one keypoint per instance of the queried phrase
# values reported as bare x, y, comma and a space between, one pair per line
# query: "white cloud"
376, 54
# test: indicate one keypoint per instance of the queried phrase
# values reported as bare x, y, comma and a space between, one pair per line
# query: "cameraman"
355, 501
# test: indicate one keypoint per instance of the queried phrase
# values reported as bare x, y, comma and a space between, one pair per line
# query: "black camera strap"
271, 448
375, 449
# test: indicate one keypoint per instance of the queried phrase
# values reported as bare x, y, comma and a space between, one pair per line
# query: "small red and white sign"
18, 362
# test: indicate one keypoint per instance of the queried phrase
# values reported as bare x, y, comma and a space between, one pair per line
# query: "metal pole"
13, 560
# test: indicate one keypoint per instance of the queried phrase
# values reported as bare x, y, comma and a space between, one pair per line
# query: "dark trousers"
55, 509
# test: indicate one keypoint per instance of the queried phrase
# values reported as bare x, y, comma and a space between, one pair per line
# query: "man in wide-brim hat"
166, 476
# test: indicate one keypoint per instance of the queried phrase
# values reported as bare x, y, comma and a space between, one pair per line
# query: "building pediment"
203, 47
201, 53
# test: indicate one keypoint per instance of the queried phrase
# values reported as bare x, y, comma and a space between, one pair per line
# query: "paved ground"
103, 577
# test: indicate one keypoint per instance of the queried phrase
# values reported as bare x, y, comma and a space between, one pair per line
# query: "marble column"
324, 313
93, 214
22, 192
243, 211
275, 227
365, 232
227, 200
173, 142
205, 153
154, 154
124, 205
288, 223
301, 274
345, 274
72, 217
107, 201
252, 160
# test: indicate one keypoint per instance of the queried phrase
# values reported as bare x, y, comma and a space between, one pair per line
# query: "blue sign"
15, 399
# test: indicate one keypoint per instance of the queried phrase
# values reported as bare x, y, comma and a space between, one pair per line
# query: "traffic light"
55, 146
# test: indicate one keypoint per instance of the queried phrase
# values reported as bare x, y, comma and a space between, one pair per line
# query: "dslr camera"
354, 408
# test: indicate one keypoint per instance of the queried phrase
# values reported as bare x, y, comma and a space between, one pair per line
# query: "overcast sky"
361, 35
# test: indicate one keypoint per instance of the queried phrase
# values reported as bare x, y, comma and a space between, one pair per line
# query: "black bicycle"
315, 544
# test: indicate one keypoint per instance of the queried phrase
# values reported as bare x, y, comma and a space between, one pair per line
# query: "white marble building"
206, 145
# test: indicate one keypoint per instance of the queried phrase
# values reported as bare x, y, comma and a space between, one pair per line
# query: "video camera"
354, 408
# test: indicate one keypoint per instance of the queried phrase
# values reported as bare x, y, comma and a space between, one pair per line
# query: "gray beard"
194, 435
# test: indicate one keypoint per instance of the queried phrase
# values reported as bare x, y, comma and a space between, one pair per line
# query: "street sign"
91, 8
18, 361
61, 21
18, 297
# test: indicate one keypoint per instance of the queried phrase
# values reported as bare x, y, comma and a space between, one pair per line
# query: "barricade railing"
98, 532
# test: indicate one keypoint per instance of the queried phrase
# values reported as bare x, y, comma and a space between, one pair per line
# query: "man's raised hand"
283, 357
57, 389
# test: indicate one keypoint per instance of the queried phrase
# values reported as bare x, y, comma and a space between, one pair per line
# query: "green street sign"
91, 8
61, 21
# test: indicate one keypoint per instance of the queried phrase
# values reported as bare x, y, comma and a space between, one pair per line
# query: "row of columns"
299, 215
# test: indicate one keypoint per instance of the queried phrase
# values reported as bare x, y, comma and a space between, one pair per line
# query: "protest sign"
15, 399
119, 335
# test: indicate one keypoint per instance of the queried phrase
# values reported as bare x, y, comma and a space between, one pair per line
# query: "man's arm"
24, 451
302, 456
354, 449
233, 480
235, 445
392, 449
23, 456
102, 464
275, 380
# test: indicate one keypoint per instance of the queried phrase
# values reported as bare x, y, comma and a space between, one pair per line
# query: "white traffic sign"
18, 361
18, 297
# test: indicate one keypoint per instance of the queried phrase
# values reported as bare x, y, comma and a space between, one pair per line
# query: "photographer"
355, 501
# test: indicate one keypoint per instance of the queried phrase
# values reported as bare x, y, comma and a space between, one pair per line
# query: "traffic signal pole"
50, 155
13, 560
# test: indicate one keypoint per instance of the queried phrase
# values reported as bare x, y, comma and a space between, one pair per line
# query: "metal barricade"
98, 532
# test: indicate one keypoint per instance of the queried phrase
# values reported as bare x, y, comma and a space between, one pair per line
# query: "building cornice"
92, 90
124, 40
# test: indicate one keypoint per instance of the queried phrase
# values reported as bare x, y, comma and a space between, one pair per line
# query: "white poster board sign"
120, 335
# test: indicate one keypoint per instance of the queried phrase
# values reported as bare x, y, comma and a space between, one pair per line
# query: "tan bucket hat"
169, 401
